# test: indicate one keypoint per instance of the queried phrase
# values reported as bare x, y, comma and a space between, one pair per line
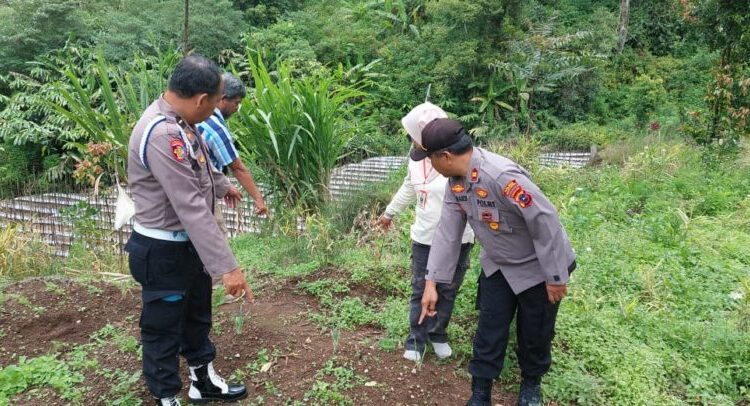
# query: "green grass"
659, 307
658, 311
330, 383
65, 373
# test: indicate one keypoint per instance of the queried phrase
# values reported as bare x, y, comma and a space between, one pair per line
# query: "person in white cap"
426, 187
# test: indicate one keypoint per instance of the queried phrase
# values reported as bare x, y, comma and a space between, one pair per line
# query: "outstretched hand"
384, 222
236, 285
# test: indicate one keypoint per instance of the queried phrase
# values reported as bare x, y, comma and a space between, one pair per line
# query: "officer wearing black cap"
526, 255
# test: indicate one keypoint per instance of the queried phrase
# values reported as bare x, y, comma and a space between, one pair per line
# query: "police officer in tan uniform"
526, 256
176, 245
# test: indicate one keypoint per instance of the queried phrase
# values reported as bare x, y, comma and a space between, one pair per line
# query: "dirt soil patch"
274, 348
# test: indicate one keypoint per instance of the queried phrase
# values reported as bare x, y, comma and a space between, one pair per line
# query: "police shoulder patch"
524, 199
178, 149
510, 188
514, 191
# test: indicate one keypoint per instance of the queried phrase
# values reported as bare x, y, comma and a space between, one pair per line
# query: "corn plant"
296, 127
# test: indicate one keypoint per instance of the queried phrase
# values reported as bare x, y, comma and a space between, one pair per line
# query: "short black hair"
195, 74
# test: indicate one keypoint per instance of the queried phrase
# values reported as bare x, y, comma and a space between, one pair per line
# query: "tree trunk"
185, 31
622, 28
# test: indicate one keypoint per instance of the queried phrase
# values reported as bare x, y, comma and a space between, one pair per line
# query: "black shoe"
530, 393
206, 386
481, 392
171, 401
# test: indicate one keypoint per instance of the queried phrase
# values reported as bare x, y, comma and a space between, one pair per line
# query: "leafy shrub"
18, 165
40, 371
297, 130
646, 97
581, 136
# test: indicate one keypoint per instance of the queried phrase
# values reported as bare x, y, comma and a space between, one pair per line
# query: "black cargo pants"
176, 314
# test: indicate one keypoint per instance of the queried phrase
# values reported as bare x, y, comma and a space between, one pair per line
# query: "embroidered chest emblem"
494, 225
482, 193
458, 188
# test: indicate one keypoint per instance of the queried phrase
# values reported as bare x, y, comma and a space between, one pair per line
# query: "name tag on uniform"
486, 203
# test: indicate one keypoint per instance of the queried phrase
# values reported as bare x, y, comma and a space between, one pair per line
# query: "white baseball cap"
419, 117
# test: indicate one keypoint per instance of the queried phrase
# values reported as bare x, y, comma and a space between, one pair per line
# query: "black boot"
530, 393
171, 401
481, 392
206, 386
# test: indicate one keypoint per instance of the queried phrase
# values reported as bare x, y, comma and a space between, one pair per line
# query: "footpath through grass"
659, 307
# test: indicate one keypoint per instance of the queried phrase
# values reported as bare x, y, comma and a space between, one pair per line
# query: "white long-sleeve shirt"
424, 186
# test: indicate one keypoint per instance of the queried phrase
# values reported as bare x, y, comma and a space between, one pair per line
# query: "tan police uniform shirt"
518, 228
174, 186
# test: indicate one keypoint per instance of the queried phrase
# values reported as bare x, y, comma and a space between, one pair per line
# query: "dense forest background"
569, 72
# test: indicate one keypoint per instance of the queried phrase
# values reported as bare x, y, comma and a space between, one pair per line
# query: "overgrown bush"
581, 136
19, 164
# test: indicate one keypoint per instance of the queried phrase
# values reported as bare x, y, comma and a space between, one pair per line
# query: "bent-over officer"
176, 245
526, 256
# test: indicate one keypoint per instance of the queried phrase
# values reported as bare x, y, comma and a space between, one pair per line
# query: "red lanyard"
424, 171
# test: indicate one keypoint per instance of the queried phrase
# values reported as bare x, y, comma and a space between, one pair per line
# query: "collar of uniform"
166, 109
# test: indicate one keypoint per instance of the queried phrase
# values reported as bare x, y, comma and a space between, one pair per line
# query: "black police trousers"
535, 328
176, 314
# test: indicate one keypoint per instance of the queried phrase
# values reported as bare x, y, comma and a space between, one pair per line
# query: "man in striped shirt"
221, 149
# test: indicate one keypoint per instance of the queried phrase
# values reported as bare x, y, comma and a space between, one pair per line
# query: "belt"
159, 234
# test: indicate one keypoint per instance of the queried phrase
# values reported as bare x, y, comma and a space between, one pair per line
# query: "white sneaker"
442, 350
173, 401
412, 355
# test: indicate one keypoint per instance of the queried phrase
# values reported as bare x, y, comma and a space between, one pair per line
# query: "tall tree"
726, 27
622, 28
29, 28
